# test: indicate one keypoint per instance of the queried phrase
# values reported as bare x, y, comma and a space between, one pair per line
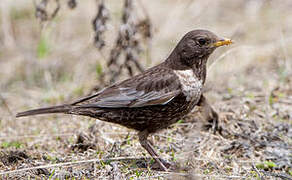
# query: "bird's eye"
202, 41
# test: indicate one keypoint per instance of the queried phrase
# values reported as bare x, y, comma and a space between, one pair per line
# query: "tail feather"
54, 109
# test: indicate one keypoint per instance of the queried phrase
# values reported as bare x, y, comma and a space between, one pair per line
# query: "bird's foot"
212, 124
167, 166
214, 128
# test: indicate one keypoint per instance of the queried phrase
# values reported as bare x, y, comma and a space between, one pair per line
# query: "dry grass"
250, 85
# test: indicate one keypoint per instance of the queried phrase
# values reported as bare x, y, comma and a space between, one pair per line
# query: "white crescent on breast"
191, 85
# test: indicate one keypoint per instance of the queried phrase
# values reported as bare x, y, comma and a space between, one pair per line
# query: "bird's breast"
190, 84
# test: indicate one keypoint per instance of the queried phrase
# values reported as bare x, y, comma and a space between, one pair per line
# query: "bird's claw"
167, 166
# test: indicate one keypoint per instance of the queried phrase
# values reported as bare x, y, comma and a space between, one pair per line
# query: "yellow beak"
222, 42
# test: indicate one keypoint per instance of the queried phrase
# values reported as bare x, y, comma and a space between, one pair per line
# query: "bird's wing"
150, 88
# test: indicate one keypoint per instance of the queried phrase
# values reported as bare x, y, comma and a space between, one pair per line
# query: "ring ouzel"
156, 98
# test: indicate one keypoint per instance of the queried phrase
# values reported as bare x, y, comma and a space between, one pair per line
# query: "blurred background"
57, 51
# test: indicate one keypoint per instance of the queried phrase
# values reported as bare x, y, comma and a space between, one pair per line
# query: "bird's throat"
198, 65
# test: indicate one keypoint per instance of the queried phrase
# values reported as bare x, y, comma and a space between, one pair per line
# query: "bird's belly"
152, 118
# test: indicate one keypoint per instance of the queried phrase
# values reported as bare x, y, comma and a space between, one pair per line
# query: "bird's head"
197, 45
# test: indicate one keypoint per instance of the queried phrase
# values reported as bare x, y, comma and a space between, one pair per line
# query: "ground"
249, 84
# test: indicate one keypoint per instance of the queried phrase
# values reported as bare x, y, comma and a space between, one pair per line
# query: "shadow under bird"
156, 98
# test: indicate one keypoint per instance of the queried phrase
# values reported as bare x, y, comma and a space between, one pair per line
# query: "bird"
156, 98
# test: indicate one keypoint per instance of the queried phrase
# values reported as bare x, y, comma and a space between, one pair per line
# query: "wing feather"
152, 88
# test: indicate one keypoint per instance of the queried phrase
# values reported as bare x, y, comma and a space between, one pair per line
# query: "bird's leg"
147, 145
209, 114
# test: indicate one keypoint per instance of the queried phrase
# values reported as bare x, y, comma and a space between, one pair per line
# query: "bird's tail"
54, 109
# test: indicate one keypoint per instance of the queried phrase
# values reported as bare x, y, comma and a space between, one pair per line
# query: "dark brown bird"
158, 97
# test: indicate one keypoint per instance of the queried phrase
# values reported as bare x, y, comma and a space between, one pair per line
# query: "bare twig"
204, 176
277, 175
257, 171
127, 45
6, 26
5, 105
35, 136
68, 164
41, 10
99, 24
72, 4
